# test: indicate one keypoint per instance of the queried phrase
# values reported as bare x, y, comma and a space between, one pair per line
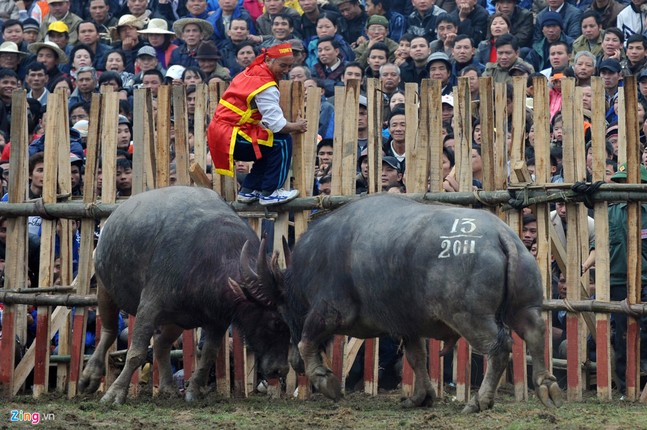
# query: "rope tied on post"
518, 198
41, 211
587, 190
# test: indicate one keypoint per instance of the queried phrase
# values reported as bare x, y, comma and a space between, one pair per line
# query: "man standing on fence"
249, 125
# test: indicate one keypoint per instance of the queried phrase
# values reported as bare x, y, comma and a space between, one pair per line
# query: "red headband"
276, 51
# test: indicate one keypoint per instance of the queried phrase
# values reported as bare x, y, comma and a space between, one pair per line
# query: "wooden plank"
371, 365
143, 153
162, 150
543, 176
634, 240
181, 135
16, 246
200, 119
375, 110
486, 114
338, 142
415, 155
436, 367
349, 138
85, 270
501, 125
435, 115
222, 368
223, 185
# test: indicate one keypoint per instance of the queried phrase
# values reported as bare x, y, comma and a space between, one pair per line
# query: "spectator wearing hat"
377, 28
551, 26
59, 10
570, 22
414, 69
299, 52
472, 19
160, 38
30, 33
86, 85
36, 80
521, 21
103, 17
507, 48
51, 56
12, 58
127, 39
222, 20
631, 20
392, 173
306, 25
146, 60
440, 68
282, 28
592, 34
608, 11
208, 59
272, 8
397, 22
89, 35
636, 53
422, 21
191, 32
611, 73
59, 33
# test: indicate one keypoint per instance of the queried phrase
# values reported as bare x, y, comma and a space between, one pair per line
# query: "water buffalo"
386, 265
165, 255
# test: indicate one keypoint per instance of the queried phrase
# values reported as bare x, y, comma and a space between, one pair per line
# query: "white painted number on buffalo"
461, 240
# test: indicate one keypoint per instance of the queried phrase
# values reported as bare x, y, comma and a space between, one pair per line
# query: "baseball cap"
59, 27
520, 67
393, 162
377, 19
439, 56
175, 72
82, 127
147, 50
447, 99
363, 101
642, 75
610, 64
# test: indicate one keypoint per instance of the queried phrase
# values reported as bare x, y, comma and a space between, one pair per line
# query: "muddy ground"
355, 411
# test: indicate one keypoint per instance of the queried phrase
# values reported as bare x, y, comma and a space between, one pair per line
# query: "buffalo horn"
245, 264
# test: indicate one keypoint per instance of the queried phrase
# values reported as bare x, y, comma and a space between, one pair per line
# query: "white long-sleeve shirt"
267, 102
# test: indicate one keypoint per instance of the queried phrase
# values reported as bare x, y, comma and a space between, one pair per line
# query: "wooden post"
200, 120
181, 135
223, 185
375, 108
543, 176
338, 142
162, 151
486, 114
416, 167
349, 138
634, 239
432, 109
16, 247
602, 293
143, 172
501, 137
463, 156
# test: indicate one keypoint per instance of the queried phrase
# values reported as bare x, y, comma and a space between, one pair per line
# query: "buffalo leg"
213, 338
95, 369
497, 343
423, 391
530, 326
142, 333
162, 350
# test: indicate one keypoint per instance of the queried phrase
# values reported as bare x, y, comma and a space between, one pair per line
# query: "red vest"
237, 115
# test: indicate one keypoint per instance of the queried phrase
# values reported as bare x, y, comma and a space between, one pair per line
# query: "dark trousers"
619, 321
271, 170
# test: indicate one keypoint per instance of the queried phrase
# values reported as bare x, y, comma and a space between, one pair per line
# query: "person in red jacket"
249, 125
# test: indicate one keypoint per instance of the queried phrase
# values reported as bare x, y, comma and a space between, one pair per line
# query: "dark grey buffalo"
386, 265
165, 256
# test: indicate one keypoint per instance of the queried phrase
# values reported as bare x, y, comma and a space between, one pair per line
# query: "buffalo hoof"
550, 394
425, 399
115, 397
329, 386
88, 385
191, 395
476, 405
